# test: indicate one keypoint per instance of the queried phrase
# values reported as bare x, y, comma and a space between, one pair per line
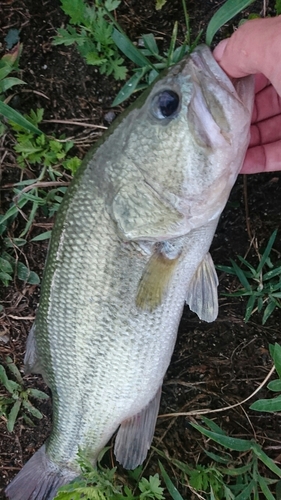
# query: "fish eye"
165, 104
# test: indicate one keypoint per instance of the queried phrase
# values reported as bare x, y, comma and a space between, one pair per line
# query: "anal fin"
135, 435
202, 296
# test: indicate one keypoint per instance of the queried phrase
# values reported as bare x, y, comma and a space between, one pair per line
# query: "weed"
41, 149
222, 479
102, 484
52, 154
10, 267
100, 39
273, 404
261, 284
93, 37
18, 400
9, 63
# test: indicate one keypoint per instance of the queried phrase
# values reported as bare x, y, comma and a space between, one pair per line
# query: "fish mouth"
203, 61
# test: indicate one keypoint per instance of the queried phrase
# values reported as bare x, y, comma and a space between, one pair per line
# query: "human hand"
255, 48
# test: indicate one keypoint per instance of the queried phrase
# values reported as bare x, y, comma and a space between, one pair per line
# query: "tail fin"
39, 479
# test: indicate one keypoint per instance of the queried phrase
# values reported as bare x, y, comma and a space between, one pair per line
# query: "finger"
266, 131
261, 82
266, 158
253, 48
267, 103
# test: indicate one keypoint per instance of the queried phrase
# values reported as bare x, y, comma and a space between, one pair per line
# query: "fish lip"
203, 60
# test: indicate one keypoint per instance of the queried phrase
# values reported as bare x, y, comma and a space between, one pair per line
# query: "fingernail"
219, 50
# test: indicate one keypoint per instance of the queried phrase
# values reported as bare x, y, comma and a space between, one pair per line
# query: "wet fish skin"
129, 247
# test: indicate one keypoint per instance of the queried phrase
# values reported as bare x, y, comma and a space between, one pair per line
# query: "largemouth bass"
129, 247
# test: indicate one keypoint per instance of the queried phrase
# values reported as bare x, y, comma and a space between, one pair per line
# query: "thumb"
219, 50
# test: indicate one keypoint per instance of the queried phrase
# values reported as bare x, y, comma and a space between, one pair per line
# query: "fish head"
190, 136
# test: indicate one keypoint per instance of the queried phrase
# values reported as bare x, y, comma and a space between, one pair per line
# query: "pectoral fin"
140, 214
202, 296
155, 280
134, 436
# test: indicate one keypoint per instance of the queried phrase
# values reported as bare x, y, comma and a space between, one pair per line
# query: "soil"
214, 365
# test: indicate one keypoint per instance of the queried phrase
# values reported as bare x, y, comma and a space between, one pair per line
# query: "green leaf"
35, 393
266, 491
267, 251
217, 458
111, 5
24, 274
130, 51
268, 310
74, 9
268, 405
246, 493
5, 278
213, 426
8, 83
277, 358
5, 266
13, 116
241, 276
10, 385
228, 10
29, 407
150, 43
249, 307
43, 236
274, 385
161, 3
170, 486
226, 441
278, 7
13, 415
266, 459
14, 369
129, 87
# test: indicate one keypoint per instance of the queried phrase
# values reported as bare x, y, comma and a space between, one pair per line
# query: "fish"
129, 247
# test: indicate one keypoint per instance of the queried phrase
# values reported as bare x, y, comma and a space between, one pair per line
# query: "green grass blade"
170, 486
271, 274
128, 48
228, 10
249, 307
267, 251
13, 116
265, 489
265, 459
241, 275
129, 87
13, 415
150, 43
213, 426
43, 236
268, 310
226, 441
246, 493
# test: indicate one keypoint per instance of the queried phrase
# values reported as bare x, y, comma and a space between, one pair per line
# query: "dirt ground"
214, 365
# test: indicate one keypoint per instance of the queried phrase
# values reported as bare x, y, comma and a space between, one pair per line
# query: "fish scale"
129, 247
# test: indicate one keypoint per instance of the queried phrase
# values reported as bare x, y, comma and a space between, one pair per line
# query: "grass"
17, 402
261, 284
